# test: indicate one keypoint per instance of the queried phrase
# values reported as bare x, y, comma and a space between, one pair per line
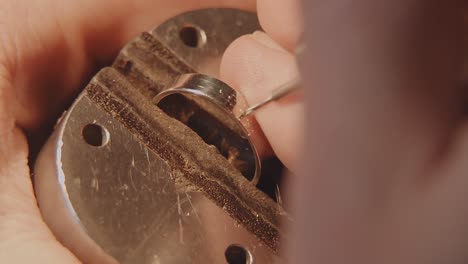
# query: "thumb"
24, 236
255, 65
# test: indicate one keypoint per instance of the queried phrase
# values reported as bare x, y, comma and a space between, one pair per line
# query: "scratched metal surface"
136, 212
220, 31
120, 203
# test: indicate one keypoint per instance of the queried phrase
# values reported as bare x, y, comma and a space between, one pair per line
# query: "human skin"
387, 134
384, 170
48, 51
385, 177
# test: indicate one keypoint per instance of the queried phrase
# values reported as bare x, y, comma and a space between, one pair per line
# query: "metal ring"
223, 103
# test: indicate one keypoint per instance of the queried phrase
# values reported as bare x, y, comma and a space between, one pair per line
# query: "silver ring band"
224, 105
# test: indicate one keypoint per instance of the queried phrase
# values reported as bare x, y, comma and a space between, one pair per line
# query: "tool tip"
246, 112
254, 108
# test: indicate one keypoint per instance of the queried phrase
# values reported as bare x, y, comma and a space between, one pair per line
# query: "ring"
211, 108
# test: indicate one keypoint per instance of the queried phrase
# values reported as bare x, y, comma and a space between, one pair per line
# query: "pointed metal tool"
276, 94
282, 90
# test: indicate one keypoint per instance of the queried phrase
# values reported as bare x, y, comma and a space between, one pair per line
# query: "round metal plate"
109, 199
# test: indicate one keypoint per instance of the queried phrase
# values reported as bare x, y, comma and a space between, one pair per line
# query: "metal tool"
278, 93
122, 181
282, 90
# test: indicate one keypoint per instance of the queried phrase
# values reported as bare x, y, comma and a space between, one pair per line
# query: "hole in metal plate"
95, 135
236, 254
192, 36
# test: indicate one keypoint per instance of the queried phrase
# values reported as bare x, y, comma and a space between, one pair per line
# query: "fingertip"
262, 38
282, 20
254, 60
235, 71
255, 65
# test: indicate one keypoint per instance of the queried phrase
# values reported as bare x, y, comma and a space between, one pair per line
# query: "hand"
387, 139
48, 49
255, 64
388, 135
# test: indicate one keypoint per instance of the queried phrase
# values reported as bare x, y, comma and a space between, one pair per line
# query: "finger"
442, 206
385, 101
52, 53
386, 88
255, 64
24, 236
282, 19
